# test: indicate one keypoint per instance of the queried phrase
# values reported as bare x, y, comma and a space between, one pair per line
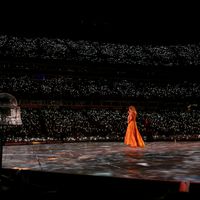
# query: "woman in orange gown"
133, 137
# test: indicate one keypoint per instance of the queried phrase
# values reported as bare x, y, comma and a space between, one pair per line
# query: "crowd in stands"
100, 124
97, 52
23, 76
73, 87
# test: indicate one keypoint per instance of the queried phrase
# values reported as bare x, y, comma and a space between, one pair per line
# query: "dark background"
127, 23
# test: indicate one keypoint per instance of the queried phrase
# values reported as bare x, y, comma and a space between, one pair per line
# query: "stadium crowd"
158, 79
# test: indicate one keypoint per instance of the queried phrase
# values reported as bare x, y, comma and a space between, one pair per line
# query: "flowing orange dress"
133, 137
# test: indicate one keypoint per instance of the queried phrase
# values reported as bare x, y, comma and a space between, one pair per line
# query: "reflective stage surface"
169, 161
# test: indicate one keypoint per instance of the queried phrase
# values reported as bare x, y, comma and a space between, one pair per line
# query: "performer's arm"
130, 118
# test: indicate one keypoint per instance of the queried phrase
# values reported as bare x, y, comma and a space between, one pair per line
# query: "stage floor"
168, 161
